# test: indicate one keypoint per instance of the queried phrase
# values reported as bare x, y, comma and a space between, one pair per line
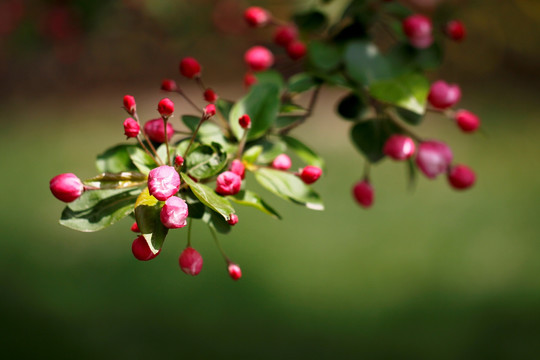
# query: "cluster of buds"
419, 30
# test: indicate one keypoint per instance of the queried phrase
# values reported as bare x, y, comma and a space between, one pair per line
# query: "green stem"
242, 144
214, 235
136, 116
194, 135
312, 102
167, 140
190, 220
147, 151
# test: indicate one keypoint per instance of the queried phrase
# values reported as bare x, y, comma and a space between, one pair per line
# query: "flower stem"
214, 235
167, 140
312, 102
242, 144
190, 220
136, 116
179, 91
148, 152
194, 135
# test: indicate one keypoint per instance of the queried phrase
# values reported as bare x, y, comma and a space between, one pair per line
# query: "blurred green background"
429, 274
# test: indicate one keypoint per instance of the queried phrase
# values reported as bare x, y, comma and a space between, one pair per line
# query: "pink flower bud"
129, 104
399, 147
285, 35
163, 182
178, 161
245, 121
131, 128
443, 95
191, 261
455, 30
238, 168
66, 187
433, 158
155, 129
141, 250
282, 162
228, 183
210, 95
233, 219
234, 271
296, 50
419, 30
259, 58
209, 110
135, 228
310, 174
169, 85
174, 213
256, 16
467, 121
190, 68
165, 107
461, 177
249, 79
363, 193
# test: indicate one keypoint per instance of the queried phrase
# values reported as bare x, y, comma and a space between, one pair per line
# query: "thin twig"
313, 100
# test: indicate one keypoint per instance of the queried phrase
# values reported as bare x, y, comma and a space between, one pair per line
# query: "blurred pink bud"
165, 107
155, 129
169, 85
285, 35
129, 104
135, 228
233, 219
399, 147
209, 110
163, 182
190, 68
228, 183
455, 30
467, 121
210, 95
141, 250
461, 177
174, 213
245, 121
282, 162
433, 158
418, 30
131, 128
66, 187
191, 261
178, 161
310, 174
234, 271
296, 50
443, 95
256, 16
249, 79
363, 193
238, 168
259, 58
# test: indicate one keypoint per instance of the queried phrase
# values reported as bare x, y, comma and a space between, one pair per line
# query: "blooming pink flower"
141, 250
233, 219
165, 107
467, 121
256, 16
155, 130
234, 271
66, 187
228, 183
238, 168
282, 162
433, 158
443, 95
163, 182
191, 261
259, 58
190, 68
399, 147
363, 193
131, 128
174, 213
461, 177
310, 174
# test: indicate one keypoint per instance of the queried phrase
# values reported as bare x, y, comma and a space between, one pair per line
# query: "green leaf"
270, 77
370, 136
249, 198
290, 107
224, 107
147, 215
191, 121
262, 105
311, 21
216, 221
351, 107
289, 187
196, 208
324, 56
283, 121
302, 82
117, 180
97, 209
205, 161
141, 159
115, 159
303, 152
407, 57
410, 116
209, 198
270, 149
251, 154
211, 133
408, 91
365, 64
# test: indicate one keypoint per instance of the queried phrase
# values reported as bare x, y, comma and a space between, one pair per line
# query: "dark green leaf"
409, 116
270, 77
310, 21
249, 198
147, 215
351, 107
324, 56
408, 91
224, 107
216, 221
303, 152
369, 137
407, 57
283, 121
364, 63
355, 31
196, 208
262, 105
205, 161
302, 82
270, 149
191, 121
209, 198
290, 107
141, 159
289, 187
115, 159
97, 209
251, 154
117, 180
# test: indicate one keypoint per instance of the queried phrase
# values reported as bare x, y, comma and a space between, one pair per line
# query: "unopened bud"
169, 85
234, 271
245, 121
66, 187
191, 261
131, 128
165, 107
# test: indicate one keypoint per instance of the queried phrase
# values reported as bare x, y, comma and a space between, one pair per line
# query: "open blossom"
190, 261
433, 158
228, 183
66, 187
174, 213
163, 182
155, 129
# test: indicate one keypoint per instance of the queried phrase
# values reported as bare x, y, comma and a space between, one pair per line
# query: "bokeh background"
428, 274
